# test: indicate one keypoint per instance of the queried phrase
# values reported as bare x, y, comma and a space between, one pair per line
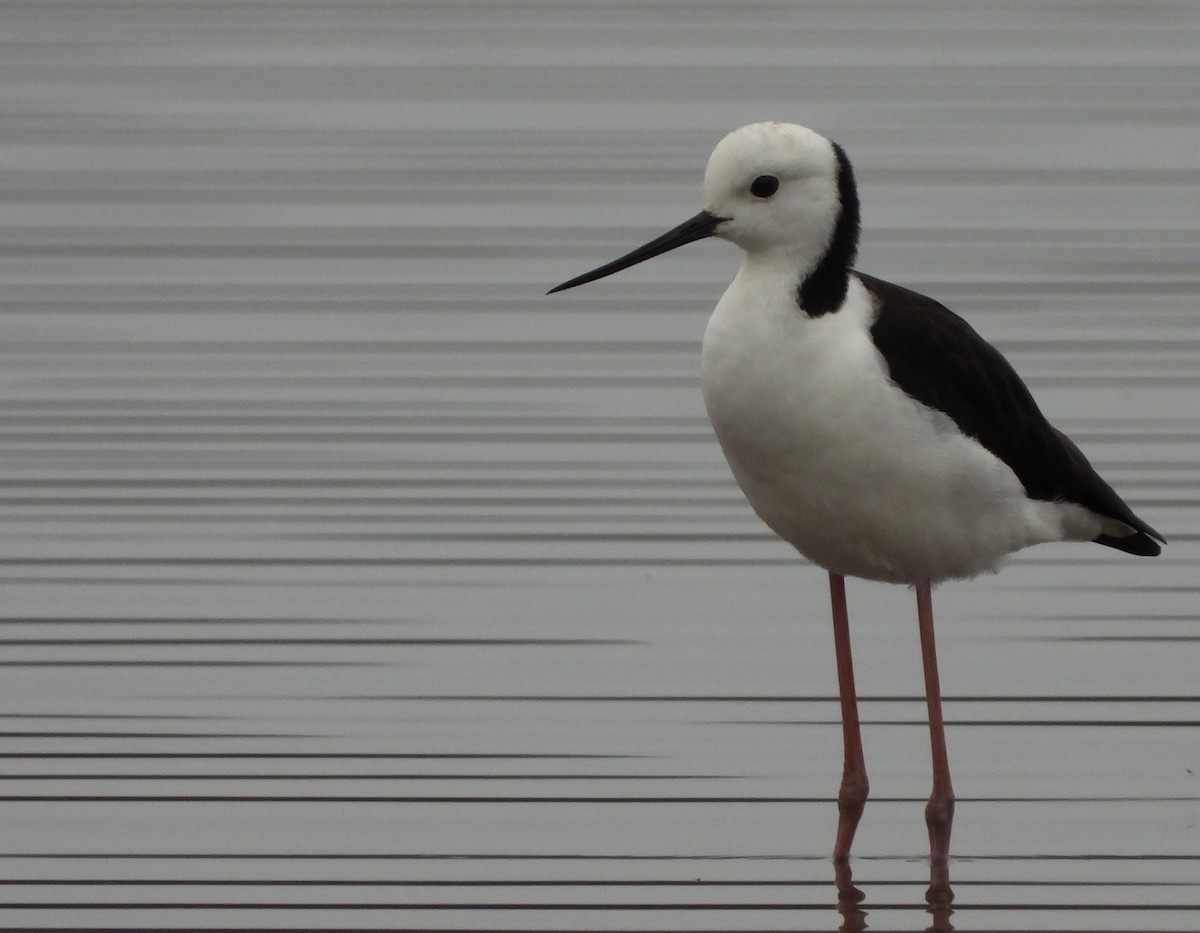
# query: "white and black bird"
869, 426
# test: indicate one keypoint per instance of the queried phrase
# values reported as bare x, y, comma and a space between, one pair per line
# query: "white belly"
861, 479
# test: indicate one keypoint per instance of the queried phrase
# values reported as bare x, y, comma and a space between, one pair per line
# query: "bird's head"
774, 189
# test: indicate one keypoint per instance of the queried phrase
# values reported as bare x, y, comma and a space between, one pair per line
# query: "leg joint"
852, 797
939, 811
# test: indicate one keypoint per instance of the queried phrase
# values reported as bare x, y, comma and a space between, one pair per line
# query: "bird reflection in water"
854, 917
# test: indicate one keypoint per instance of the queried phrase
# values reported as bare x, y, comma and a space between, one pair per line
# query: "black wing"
938, 359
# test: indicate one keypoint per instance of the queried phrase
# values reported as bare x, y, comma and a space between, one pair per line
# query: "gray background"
348, 582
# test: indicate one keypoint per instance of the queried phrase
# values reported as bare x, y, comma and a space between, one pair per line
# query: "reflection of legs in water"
941, 918
939, 812
854, 918
853, 794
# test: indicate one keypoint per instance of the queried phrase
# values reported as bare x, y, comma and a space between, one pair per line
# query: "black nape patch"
825, 288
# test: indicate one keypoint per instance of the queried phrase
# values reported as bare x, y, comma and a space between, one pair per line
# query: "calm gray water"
347, 582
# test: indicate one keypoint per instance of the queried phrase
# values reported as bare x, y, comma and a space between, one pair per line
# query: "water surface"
350, 583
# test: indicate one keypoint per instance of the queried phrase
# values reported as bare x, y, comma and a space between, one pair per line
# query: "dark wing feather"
938, 359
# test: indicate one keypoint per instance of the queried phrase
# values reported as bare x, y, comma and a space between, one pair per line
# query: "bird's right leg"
939, 812
853, 794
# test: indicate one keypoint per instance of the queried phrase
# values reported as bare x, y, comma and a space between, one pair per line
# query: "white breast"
860, 478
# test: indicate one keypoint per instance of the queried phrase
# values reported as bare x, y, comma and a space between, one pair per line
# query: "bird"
868, 425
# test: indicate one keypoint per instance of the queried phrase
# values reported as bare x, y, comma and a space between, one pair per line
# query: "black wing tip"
1140, 544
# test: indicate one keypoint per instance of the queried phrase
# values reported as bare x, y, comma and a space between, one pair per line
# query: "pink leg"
853, 794
939, 812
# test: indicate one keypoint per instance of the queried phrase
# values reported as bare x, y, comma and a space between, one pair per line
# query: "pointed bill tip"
702, 225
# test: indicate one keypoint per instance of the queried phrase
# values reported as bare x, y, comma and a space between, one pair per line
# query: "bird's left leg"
939, 812
852, 796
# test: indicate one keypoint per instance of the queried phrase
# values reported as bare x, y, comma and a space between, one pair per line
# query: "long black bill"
702, 225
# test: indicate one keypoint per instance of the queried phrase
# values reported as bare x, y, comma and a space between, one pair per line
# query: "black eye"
764, 186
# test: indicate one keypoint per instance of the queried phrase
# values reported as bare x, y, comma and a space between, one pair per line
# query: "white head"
779, 191
777, 186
